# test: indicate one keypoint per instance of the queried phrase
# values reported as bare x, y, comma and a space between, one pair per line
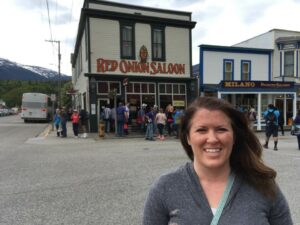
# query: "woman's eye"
201, 130
222, 129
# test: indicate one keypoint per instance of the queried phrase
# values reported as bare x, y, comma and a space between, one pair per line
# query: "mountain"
13, 71
195, 70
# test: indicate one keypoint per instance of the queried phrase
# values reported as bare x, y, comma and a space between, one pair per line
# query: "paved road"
104, 181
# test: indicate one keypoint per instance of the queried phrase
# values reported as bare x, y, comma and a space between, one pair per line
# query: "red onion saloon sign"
129, 66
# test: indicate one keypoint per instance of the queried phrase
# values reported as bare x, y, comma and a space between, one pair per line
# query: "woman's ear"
188, 139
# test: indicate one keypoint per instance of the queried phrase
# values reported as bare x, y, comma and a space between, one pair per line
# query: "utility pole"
59, 75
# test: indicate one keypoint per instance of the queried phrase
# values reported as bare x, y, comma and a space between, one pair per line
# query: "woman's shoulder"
171, 178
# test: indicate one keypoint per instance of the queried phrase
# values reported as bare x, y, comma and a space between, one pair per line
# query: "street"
49, 180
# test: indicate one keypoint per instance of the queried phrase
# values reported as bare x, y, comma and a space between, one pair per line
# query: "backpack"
271, 118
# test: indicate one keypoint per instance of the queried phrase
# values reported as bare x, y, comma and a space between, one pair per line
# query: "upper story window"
158, 43
288, 63
228, 69
127, 41
245, 70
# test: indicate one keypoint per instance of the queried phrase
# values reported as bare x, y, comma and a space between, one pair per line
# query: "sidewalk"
51, 133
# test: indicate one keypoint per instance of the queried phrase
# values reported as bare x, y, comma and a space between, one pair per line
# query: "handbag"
295, 130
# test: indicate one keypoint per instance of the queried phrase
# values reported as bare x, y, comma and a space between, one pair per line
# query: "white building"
256, 72
127, 53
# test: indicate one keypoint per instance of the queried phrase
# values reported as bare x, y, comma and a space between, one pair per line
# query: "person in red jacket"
75, 120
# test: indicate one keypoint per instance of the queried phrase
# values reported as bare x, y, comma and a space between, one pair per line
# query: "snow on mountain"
14, 71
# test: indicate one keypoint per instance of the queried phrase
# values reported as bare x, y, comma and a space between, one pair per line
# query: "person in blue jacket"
271, 116
57, 122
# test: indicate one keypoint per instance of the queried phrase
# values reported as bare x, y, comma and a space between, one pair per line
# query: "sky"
28, 25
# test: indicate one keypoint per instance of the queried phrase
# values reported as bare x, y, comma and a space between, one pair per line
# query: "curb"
46, 132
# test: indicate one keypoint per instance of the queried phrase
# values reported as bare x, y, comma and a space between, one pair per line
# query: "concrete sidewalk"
50, 132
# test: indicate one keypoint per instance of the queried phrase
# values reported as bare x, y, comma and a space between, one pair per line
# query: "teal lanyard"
223, 200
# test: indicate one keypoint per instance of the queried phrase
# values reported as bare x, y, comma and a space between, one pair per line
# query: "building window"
127, 41
174, 94
288, 63
104, 87
140, 88
245, 70
228, 69
158, 44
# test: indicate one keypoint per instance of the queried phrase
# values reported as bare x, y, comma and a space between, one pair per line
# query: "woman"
225, 158
296, 122
75, 121
161, 119
170, 120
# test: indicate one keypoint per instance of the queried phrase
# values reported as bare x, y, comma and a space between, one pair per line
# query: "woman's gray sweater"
177, 198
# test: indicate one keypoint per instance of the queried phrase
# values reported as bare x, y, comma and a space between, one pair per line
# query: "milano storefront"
259, 94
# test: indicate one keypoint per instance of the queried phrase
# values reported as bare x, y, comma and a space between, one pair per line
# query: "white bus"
35, 107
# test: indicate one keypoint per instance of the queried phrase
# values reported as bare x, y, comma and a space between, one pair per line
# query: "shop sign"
131, 66
256, 84
178, 103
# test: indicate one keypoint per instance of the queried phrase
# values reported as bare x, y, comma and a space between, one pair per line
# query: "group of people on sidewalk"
159, 122
79, 120
151, 120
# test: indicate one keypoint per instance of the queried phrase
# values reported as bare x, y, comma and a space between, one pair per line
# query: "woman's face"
211, 139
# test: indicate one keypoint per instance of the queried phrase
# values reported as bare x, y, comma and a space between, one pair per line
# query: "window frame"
123, 25
163, 43
109, 84
290, 65
242, 70
225, 61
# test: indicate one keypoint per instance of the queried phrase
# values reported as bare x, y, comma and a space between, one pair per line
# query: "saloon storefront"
258, 94
132, 54
155, 83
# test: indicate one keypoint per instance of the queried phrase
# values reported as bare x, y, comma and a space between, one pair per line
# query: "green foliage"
11, 90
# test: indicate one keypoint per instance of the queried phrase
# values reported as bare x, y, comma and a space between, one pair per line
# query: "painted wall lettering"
126, 66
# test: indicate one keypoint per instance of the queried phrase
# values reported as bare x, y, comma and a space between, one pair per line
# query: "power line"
49, 22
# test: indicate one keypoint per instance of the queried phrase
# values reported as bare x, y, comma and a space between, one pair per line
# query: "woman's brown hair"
246, 157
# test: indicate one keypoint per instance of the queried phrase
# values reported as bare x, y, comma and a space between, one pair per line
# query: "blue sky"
25, 25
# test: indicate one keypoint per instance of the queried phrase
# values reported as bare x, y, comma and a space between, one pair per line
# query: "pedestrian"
271, 117
155, 129
113, 119
252, 116
83, 116
57, 122
177, 119
161, 119
149, 118
170, 120
64, 120
226, 180
296, 124
75, 122
141, 117
127, 118
281, 123
120, 119
107, 118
